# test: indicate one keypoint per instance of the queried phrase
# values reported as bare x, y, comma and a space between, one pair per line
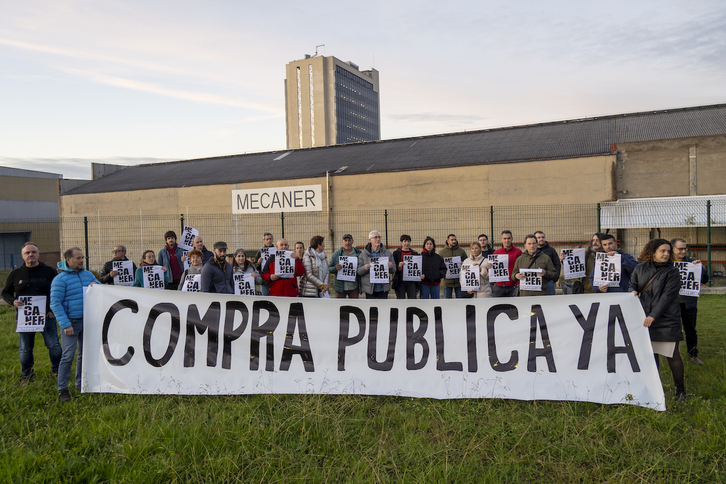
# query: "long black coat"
660, 299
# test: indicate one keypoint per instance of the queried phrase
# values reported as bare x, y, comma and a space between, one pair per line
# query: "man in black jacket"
107, 273
689, 305
545, 248
33, 279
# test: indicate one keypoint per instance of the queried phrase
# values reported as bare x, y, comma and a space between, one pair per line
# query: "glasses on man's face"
376, 237
116, 250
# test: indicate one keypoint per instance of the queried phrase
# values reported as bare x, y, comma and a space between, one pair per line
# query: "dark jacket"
335, 260
108, 267
433, 268
398, 277
206, 255
447, 251
487, 252
216, 281
554, 256
627, 265
690, 301
536, 261
29, 281
660, 298
365, 275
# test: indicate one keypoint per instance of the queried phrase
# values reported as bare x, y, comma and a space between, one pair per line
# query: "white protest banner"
532, 280
585, 347
125, 269
244, 284
153, 277
574, 263
453, 267
412, 267
265, 254
284, 264
349, 268
690, 278
186, 241
31, 315
469, 278
379, 270
186, 262
499, 271
192, 283
607, 270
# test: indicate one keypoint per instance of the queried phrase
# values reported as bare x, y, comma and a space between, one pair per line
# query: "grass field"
292, 438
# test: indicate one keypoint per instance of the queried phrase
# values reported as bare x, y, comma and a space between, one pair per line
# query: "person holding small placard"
657, 282
196, 260
405, 289
433, 270
170, 257
242, 265
452, 255
509, 288
478, 261
372, 252
108, 272
148, 258
689, 304
260, 259
317, 274
627, 264
346, 288
533, 259
33, 278
283, 286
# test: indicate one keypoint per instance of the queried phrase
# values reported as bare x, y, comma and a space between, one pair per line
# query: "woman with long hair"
656, 282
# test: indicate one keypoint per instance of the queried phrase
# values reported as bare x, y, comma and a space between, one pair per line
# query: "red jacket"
283, 287
513, 253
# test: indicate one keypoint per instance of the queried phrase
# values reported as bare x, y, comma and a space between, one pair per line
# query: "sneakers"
681, 396
697, 360
64, 396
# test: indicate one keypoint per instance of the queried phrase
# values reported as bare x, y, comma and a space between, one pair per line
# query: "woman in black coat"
657, 282
433, 269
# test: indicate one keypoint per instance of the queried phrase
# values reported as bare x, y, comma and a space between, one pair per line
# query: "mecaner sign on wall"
306, 198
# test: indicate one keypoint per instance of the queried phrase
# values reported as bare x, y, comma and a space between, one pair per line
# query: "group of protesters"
655, 280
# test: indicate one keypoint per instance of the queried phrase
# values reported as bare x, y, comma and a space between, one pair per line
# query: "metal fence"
566, 226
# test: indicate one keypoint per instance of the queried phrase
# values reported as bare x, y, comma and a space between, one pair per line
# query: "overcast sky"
140, 81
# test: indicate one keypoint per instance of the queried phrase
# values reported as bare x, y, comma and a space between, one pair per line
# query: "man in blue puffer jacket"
66, 302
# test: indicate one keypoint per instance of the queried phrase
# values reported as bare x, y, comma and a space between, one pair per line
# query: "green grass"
313, 438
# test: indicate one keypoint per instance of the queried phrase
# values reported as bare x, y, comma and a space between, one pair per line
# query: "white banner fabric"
186, 241
284, 264
192, 283
690, 278
31, 315
589, 347
607, 270
412, 268
574, 263
499, 271
153, 277
469, 278
453, 267
125, 269
379, 270
532, 280
349, 268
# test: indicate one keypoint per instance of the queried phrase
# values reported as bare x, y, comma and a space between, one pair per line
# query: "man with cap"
345, 289
217, 273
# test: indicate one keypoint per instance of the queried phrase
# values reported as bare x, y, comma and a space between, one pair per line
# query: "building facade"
329, 102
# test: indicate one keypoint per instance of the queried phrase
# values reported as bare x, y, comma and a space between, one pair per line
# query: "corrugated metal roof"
663, 212
562, 139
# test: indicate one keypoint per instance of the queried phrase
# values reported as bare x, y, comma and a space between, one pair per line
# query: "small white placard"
453, 267
690, 278
574, 263
499, 271
125, 276
349, 270
244, 284
469, 278
192, 283
379, 270
532, 279
412, 268
284, 264
153, 277
31, 315
607, 270
186, 242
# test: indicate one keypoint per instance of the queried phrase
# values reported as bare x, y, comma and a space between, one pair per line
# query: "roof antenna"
316, 49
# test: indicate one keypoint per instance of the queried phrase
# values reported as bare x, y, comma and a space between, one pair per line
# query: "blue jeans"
264, 289
551, 288
448, 292
50, 338
69, 350
430, 292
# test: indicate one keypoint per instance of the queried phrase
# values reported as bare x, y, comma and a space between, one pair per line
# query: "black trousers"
406, 290
688, 318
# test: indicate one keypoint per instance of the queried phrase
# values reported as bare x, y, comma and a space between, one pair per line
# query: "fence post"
85, 230
181, 217
282, 222
708, 239
598, 218
385, 214
491, 224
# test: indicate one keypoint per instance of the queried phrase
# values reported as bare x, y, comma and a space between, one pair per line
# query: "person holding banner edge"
66, 302
33, 278
433, 269
374, 249
478, 260
627, 263
404, 289
533, 258
657, 282
107, 272
689, 304
345, 289
148, 258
